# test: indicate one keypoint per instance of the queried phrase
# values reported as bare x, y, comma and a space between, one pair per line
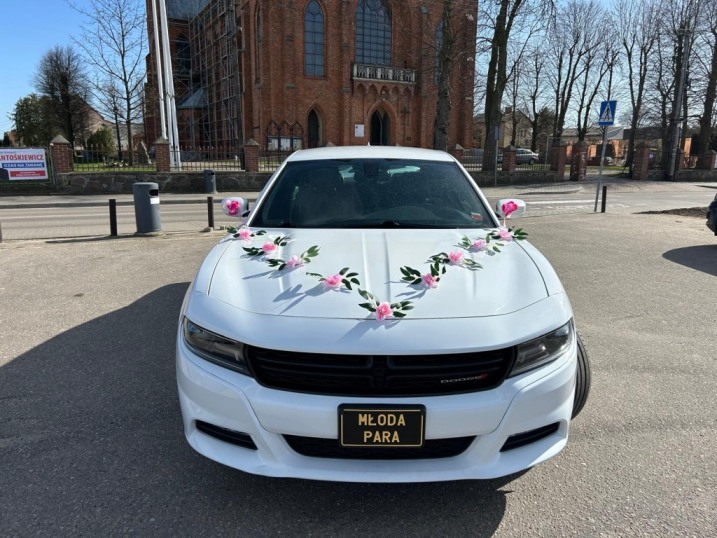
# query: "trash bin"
210, 181
146, 207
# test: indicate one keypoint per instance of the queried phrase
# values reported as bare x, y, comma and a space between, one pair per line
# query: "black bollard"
113, 217
210, 211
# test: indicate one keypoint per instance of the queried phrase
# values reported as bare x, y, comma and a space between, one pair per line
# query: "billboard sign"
23, 164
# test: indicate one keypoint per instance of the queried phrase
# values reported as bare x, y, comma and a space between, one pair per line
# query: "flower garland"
382, 310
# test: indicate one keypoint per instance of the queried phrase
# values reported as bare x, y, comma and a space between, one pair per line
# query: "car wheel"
582, 379
532, 162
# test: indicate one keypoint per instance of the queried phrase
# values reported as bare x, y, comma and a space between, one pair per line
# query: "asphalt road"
91, 440
68, 221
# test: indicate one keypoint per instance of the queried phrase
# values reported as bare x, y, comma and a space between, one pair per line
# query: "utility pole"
683, 47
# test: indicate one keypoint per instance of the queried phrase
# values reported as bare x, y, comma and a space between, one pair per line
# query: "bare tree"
707, 119
638, 31
570, 42
62, 80
445, 66
502, 19
599, 62
113, 42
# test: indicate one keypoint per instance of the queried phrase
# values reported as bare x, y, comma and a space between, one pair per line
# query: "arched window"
313, 40
373, 33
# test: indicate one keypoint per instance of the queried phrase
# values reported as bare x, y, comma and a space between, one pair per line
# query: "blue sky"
28, 29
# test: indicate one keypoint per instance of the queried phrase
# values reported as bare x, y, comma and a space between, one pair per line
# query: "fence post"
251, 156
558, 158
61, 155
210, 212
161, 154
641, 162
113, 217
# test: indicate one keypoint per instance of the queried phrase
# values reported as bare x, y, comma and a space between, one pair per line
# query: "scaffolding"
207, 74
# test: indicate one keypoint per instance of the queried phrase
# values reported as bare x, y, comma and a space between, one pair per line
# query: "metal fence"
96, 159
473, 162
204, 157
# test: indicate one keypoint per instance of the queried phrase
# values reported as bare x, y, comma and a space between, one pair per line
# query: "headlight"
543, 350
215, 348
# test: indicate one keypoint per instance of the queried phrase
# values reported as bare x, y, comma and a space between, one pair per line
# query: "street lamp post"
119, 140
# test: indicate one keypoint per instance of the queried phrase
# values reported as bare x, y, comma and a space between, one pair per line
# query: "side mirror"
235, 207
508, 207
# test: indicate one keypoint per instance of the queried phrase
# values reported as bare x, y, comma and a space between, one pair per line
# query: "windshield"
372, 193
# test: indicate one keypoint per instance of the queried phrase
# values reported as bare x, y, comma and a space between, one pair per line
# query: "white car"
371, 320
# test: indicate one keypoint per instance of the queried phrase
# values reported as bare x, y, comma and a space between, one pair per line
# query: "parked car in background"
525, 156
373, 320
712, 216
475, 155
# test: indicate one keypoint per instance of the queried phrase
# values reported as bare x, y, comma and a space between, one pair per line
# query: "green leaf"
260, 232
355, 281
351, 275
407, 307
367, 306
282, 267
315, 274
343, 271
366, 295
496, 248
399, 315
417, 281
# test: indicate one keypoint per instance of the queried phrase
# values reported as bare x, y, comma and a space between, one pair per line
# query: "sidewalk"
94, 200
589, 185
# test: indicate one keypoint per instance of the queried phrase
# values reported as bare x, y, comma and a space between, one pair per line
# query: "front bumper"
214, 395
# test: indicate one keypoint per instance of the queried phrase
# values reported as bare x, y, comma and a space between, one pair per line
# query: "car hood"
508, 281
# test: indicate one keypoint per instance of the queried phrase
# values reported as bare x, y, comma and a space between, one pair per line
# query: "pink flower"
231, 206
383, 310
333, 281
244, 234
479, 244
429, 280
455, 257
294, 261
505, 234
268, 247
508, 208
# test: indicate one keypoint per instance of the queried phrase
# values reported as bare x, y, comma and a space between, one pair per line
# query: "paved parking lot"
90, 431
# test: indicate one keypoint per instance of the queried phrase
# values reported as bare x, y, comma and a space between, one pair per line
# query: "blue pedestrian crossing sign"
607, 113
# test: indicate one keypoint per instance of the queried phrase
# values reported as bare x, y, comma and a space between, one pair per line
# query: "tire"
582, 379
532, 162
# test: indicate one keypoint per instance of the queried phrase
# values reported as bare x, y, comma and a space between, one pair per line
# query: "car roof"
369, 152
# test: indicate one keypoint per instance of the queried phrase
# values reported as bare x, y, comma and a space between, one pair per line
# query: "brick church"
292, 74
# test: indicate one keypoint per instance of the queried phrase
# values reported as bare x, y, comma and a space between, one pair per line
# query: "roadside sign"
607, 113
25, 163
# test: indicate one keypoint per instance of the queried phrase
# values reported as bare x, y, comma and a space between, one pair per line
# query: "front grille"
379, 375
330, 448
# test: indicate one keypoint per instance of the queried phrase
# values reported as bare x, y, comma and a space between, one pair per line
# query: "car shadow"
91, 442
700, 257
